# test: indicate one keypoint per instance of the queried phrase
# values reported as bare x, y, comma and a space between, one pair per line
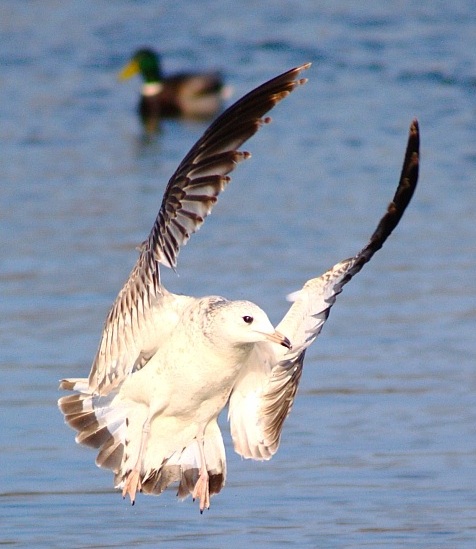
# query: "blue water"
380, 448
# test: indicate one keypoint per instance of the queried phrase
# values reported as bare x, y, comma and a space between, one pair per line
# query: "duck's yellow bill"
131, 69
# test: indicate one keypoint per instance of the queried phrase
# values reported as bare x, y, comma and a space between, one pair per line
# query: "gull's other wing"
264, 393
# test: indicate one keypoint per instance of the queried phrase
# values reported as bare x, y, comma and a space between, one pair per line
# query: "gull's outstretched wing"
144, 312
263, 396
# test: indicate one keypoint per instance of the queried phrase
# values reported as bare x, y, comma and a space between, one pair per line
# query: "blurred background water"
380, 448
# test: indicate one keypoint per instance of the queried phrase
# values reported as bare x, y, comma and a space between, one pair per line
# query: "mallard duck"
187, 94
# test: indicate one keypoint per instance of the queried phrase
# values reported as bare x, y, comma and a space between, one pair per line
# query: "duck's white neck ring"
152, 88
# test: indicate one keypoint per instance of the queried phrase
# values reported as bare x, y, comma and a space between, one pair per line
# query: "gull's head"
243, 322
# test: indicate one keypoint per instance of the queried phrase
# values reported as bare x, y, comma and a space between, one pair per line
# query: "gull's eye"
248, 319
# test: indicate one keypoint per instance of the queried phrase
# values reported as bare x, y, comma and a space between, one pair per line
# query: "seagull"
168, 364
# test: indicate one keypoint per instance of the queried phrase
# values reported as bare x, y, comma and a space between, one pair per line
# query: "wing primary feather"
396, 208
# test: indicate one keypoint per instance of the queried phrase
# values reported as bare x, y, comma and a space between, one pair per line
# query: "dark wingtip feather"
406, 188
403, 195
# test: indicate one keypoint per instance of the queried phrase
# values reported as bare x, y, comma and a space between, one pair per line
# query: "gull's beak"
280, 339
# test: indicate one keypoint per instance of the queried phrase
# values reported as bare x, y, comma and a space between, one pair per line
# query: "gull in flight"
168, 364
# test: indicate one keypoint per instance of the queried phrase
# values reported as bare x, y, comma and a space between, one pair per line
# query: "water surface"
380, 449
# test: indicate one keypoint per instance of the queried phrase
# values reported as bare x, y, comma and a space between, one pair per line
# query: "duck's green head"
146, 62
